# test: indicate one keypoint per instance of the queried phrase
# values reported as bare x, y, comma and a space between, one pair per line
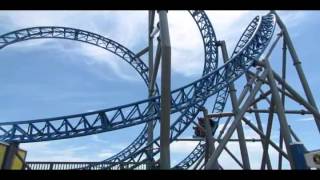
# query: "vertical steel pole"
284, 67
165, 92
235, 107
151, 15
268, 134
297, 64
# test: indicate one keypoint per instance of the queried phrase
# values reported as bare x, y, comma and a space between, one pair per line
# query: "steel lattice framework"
188, 100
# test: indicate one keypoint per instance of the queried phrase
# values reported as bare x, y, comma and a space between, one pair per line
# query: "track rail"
186, 99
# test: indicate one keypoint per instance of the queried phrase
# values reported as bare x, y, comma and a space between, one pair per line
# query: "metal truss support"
265, 145
280, 111
236, 121
295, 96
235, 107
246, 89
256, 111
302, 112
165, 92
297, 64
273, 144
151, 85
265, 157
284, 68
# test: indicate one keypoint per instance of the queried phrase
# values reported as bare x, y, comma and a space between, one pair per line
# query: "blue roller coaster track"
186, 99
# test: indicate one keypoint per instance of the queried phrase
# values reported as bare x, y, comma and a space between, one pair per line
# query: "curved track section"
56, 32
216, 81
97, 121
210, 63
70, 34
86, 37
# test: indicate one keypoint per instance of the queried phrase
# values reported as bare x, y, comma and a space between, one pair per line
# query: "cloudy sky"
45, 78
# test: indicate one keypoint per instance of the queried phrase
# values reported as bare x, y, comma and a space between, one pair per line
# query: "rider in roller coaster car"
199, 130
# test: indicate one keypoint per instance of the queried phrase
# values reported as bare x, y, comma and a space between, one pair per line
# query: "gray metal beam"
265, 145
297, 64
156, 64
235, 107
273, 144
284, 69
142, 52
222, 114
295, 96
280, 111
235, 123
302, 111
151, 86
165, 92
258, 119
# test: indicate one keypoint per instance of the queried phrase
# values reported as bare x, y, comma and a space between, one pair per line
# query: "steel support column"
151, 86
165, 92
284, 68
268, 134
235, 107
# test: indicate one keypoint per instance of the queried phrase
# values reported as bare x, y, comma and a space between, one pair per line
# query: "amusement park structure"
264, 94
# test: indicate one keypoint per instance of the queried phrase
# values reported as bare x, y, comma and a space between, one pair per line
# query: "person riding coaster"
199, 130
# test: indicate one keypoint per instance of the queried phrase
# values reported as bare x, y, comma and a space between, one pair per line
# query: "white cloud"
292, 19
97, 139
187, 50
47, 151
182, 146
112, 24
105, 154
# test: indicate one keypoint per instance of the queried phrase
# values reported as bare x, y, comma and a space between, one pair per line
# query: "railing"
82, 166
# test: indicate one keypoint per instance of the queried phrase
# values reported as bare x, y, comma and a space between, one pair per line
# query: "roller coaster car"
199, 130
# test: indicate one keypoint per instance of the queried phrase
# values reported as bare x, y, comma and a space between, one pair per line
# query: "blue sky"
45, 78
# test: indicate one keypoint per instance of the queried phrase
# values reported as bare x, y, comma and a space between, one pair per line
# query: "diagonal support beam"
280, 111
142, 52
235, 123
268, 134
273, 144
297, 64
235, 107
